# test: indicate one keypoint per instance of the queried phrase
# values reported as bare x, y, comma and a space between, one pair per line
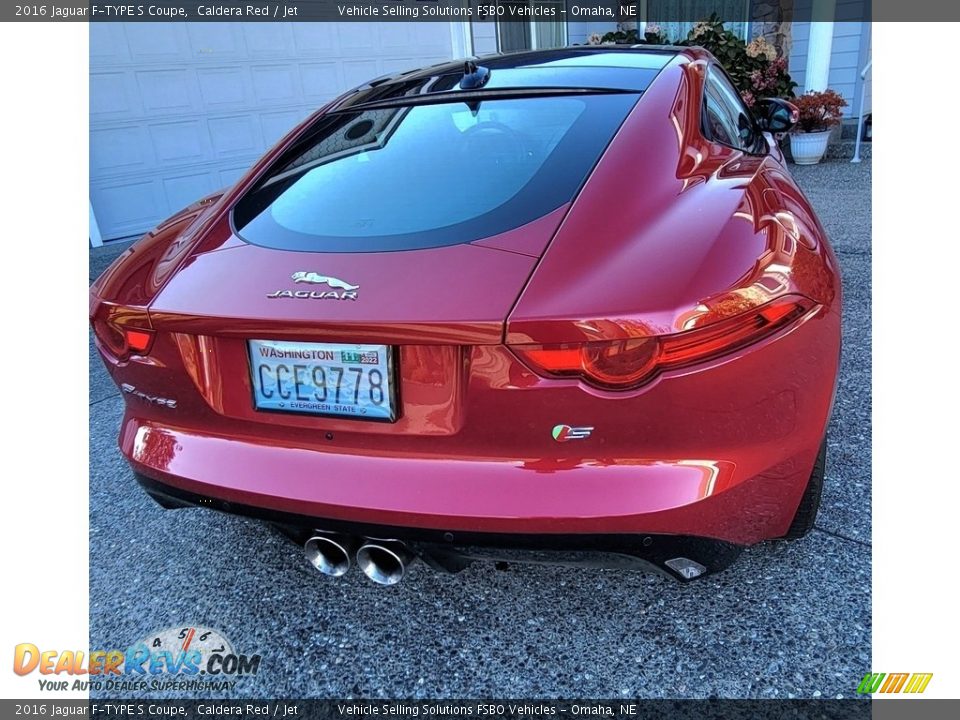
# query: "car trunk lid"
454, 295
428, 305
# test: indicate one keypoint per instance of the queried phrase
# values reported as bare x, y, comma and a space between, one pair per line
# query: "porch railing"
863, 96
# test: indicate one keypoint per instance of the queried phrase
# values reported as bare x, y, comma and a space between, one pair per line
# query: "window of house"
734, 13
534, 34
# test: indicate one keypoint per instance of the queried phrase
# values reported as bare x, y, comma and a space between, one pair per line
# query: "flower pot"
808, 148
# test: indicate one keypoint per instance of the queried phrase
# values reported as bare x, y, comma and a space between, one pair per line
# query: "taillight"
628, 363
122, 332
138, 341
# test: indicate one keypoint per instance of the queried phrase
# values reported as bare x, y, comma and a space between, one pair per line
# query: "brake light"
628, 363
115, 332
139, 341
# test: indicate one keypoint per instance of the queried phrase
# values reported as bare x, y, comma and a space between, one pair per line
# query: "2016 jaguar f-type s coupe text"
558, 306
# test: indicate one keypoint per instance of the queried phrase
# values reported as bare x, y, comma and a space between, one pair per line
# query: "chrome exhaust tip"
330, 554
385, 561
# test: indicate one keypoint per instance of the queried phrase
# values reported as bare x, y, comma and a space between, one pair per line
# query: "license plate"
323, 379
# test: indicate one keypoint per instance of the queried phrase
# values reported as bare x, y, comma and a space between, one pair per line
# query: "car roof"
623, 68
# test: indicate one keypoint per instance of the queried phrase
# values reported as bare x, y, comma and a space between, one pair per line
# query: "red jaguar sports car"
557, 306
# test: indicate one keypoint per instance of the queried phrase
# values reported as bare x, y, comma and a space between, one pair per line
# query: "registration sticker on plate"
323, 379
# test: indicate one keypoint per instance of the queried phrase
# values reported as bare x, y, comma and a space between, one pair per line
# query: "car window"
726, 118
429, 175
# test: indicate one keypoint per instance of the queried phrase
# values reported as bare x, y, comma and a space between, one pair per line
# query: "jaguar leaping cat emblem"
317, 279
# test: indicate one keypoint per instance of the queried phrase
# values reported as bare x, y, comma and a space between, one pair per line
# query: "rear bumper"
679, 557
721, 452
696, 497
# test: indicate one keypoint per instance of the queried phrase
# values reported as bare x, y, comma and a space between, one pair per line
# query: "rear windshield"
431, 175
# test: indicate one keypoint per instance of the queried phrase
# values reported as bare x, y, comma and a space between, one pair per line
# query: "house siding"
578, 32
849, 53
866, 53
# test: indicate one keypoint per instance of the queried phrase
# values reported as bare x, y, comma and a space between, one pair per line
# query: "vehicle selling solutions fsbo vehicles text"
436, 11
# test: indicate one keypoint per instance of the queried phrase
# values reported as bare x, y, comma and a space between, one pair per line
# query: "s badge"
563, 433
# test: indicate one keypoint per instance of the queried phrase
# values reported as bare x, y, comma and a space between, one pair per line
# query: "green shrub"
754, 67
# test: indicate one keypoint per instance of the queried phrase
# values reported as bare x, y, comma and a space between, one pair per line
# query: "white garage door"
180, 110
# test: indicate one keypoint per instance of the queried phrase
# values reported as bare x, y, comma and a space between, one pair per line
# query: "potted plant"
818, 113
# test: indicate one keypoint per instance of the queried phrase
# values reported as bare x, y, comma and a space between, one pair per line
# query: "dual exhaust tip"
383, 561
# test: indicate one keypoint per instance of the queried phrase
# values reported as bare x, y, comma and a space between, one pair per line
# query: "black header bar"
460, 11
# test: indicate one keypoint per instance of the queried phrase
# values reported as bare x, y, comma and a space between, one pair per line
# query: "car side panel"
670, 223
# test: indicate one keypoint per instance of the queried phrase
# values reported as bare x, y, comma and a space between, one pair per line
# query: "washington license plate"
323, 379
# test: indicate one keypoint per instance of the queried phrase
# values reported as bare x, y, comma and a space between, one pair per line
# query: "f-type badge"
146, 397
347, 291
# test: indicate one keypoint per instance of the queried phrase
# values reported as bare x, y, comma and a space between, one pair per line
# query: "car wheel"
810, 502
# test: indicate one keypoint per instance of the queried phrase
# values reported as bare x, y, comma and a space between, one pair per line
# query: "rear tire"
810, 502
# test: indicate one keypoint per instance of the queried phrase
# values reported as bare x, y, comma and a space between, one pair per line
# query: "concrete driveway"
787, 620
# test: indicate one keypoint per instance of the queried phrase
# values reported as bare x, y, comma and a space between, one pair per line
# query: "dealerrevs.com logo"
186, 659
